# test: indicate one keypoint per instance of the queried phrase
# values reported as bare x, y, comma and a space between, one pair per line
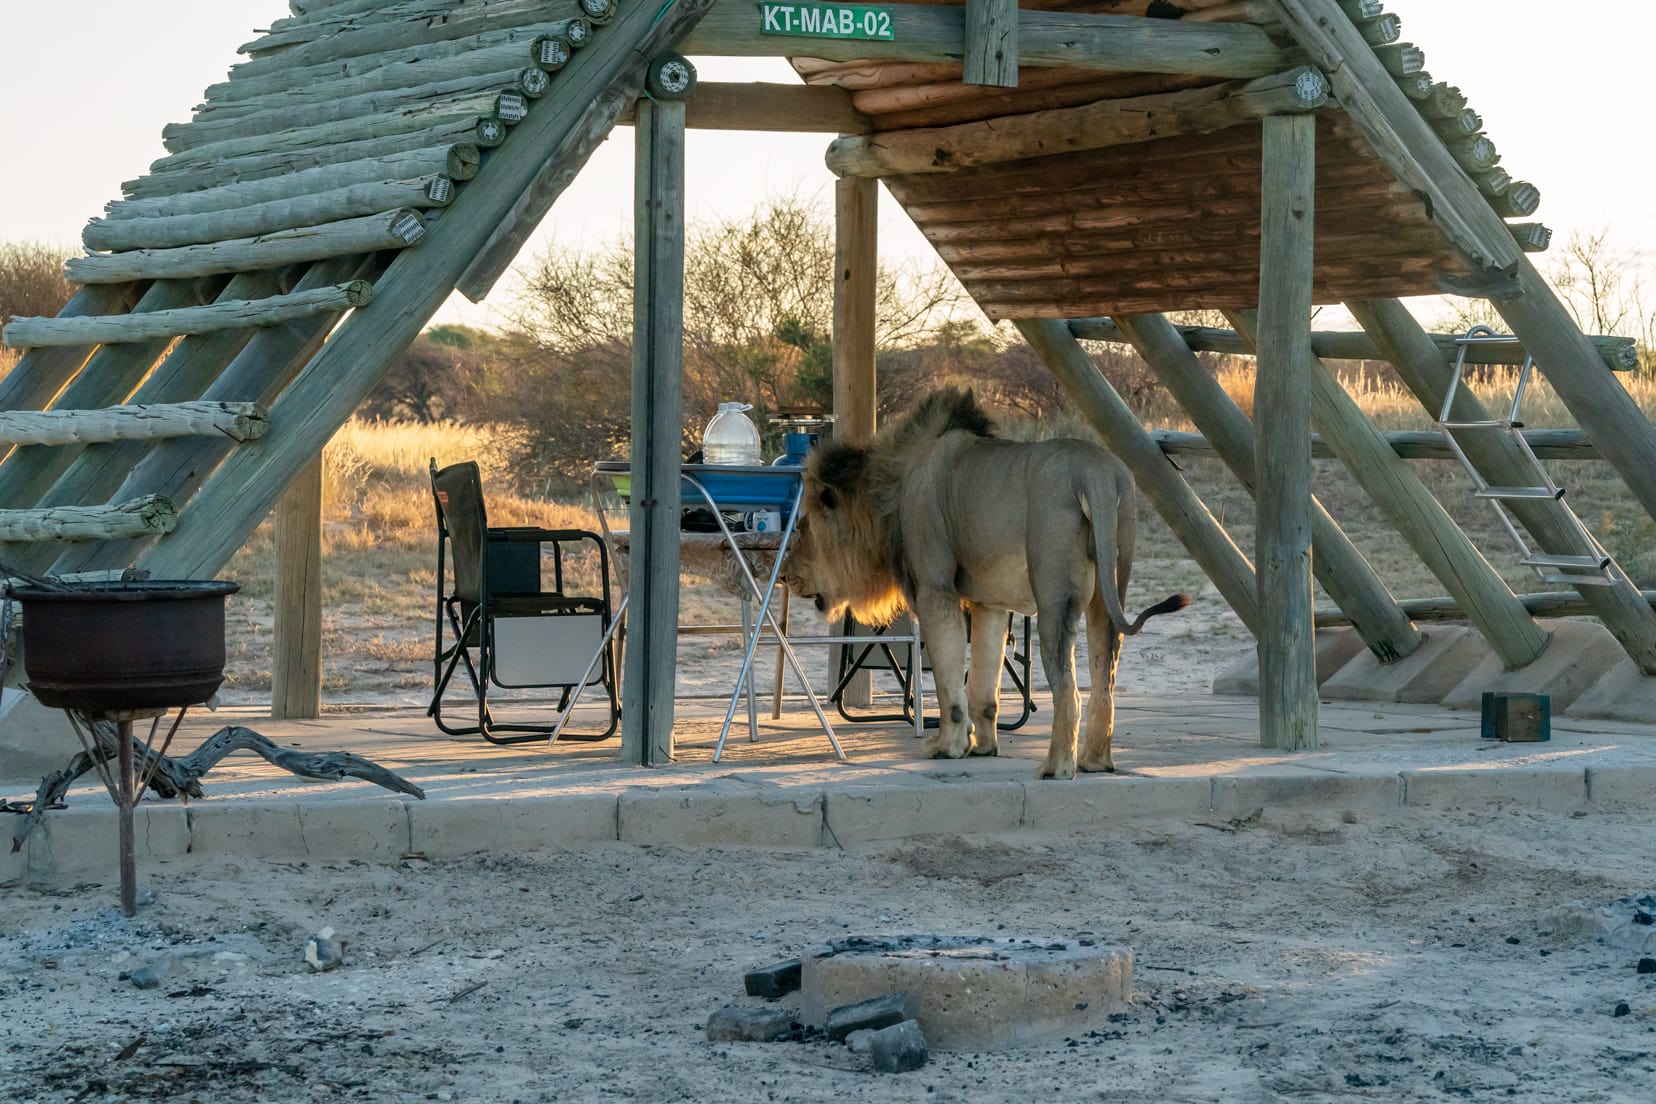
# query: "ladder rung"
1547, 559
1486, 339
1520, 492
1493, 423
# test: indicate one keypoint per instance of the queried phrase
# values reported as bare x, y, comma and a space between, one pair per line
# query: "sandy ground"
1291, 958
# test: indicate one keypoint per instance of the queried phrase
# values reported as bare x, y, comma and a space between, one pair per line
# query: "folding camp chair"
896, 659
504, 626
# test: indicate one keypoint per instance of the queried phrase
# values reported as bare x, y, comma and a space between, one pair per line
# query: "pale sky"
86, 86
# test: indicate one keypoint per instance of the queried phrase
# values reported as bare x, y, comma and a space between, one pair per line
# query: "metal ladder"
1585, 570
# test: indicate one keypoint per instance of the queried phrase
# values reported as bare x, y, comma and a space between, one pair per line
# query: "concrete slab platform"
1178, 757
1622, 693
1436, 667
1335, 648
1578, 656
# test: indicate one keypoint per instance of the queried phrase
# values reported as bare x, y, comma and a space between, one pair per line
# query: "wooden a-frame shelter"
1082, 165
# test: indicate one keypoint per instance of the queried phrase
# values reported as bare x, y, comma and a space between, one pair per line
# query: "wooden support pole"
1338, 565
856, 273
1282, 447
1416, 514
1203, 537
657, 427
1619, 354
549, 143
992, 43
284, 175
296, 660
1544, 603
225, 314
255, 371
1502, 462
1069, 129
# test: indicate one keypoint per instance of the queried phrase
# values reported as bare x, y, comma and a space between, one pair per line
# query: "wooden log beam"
657, 420
391, 230
1410, 444
465, 117
1619, 354
1398, 134
478, 92
551, 143
436, 162
296, 648
1503, 463
401, 61
1282, 448
991, 33
257, 372
790, 108
1108, 43
1338, 565
233, 314
140, 517
1416, 514
461, 161
1203, 537
143, 422
316, 209
1095, 126
1544, 603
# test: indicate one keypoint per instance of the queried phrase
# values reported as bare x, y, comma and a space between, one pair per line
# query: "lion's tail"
1105, 553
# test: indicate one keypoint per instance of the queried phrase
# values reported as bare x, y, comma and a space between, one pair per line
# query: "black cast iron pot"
111, 647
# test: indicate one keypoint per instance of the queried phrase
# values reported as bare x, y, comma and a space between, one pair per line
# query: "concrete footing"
34, 740
1335, 648
1449, 654
1579, 655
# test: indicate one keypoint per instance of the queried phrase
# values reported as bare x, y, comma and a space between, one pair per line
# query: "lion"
941, 517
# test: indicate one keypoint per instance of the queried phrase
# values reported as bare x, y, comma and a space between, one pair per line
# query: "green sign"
825, 21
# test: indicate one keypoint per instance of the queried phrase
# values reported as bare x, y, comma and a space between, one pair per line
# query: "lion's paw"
1060, 771
984, 749
1098, 766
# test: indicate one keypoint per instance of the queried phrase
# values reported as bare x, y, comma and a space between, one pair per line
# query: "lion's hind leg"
984, 677
1103, 657
1058, 628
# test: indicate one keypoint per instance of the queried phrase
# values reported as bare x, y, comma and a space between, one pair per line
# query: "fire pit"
110, 654
975, 993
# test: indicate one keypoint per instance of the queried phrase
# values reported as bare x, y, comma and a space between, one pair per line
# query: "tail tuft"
1173, 603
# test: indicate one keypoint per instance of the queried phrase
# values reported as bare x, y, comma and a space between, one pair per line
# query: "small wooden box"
1517, 718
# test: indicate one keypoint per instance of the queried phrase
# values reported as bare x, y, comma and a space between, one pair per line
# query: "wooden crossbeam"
1067, 130
792, 108
991, 43
140, 517
233, 314
1410, 444
1544, 603
1106, 43
238, 421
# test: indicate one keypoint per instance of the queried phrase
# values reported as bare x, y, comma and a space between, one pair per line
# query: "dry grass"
380, 543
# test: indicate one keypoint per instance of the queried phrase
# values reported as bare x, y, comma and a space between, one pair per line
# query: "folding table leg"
752, 702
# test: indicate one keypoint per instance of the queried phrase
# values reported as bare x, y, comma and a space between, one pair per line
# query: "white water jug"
731, 437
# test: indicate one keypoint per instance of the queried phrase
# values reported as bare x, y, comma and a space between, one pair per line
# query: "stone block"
720, 814
1335, 648
1632, 784
376, 830
1447, 656
1236, 797
864, 814
445, 828
83, 840
899, 1048
1578, 656
872, 1014
1622, 693
775, 980
1555, 789
1095, 799
737, 1023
